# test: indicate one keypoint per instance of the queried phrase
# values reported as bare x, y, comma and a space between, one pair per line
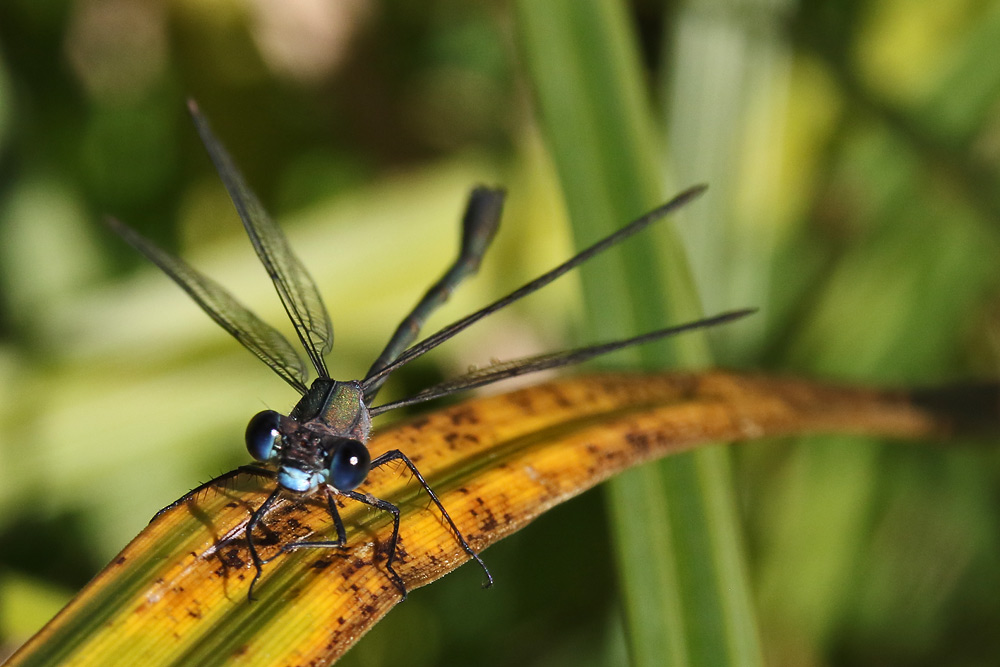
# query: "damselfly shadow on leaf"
320, 446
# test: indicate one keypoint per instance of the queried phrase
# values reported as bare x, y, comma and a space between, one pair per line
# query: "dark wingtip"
494, 189
728, 316
678, 201
118, 227
742, 312
692, 192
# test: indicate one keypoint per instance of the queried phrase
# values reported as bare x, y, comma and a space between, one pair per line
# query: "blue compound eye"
349, 465
262, 434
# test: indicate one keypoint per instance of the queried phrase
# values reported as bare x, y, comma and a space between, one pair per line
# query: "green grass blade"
680, 564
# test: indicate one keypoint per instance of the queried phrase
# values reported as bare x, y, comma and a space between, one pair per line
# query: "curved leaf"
178, 593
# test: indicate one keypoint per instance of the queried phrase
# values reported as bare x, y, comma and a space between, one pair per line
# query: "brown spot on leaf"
231, 558
489, 521
523, 401
463, 415
638, 440
559, 398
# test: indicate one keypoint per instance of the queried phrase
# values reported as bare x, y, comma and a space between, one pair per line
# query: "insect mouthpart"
298, 480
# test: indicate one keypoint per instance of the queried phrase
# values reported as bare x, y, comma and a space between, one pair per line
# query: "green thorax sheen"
335, 407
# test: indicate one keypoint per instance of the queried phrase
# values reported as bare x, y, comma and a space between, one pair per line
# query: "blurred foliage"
852, 148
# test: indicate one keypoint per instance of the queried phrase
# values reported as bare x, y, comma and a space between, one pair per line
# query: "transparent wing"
479, 226
509, 369
256, 335
295, 286
375, 378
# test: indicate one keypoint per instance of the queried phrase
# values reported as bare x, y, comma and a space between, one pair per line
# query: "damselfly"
319, 447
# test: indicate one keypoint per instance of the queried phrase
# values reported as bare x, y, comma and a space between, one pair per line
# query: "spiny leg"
255, 558
392, 509
479, 226
341, 540
248, 469
396, 455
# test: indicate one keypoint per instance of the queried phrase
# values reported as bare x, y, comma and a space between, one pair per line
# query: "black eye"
349, 464
262, 434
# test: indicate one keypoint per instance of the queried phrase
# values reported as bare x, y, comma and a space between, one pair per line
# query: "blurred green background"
852, 149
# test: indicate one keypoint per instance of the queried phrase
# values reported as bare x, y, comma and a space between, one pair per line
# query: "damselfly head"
311, 459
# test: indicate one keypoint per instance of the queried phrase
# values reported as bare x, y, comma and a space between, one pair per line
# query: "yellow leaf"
178, 593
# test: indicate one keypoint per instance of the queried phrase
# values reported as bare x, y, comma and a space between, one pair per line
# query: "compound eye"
262, 434
349, 465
